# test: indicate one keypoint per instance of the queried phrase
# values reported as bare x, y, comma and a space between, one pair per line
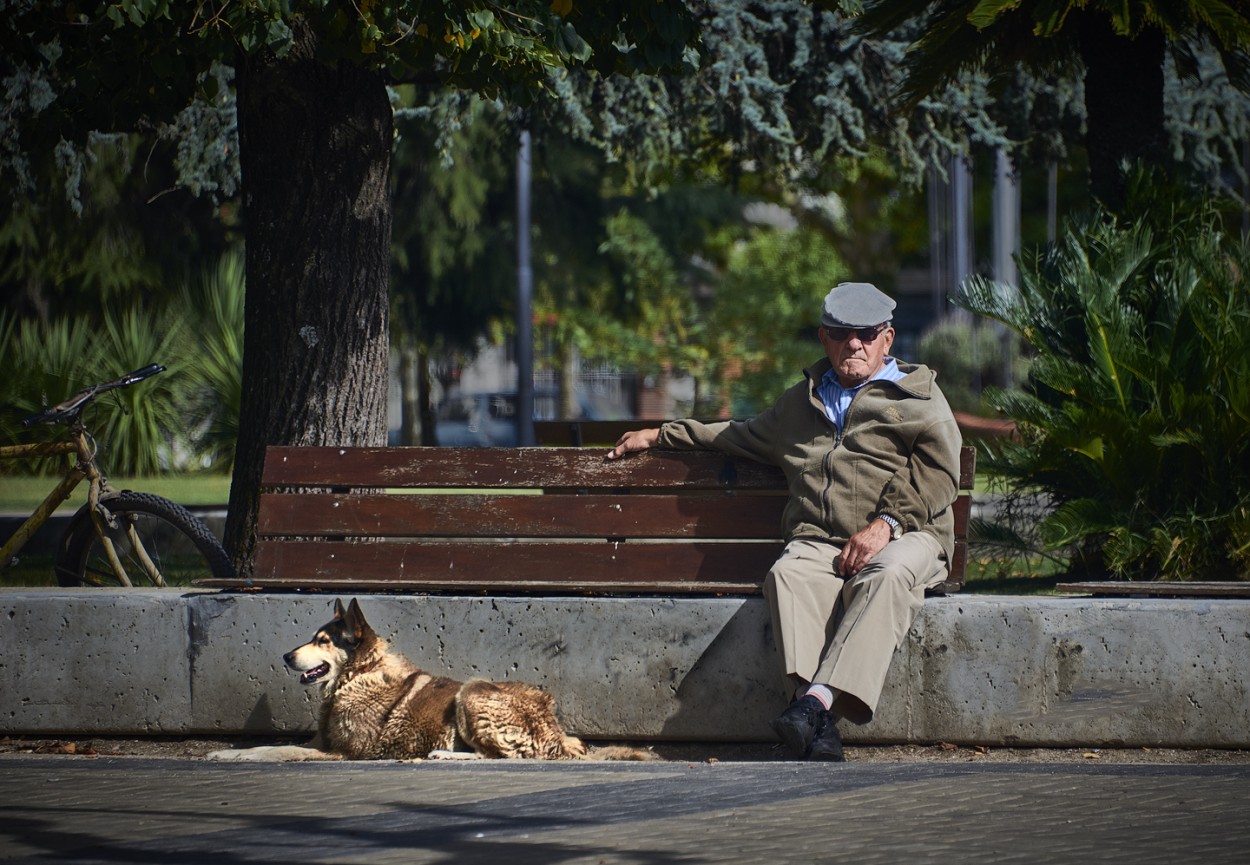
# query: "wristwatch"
896, 528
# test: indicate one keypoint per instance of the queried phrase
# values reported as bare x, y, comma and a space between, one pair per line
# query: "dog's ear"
339, 612
356, 620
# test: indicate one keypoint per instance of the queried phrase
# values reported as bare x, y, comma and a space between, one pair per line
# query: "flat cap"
856, 304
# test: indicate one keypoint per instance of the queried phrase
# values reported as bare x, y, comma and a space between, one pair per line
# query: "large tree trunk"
1123, 103
315, 147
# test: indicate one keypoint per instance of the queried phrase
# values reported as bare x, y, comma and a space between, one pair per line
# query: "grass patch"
21, 494
37, 570
30, 570
993, 575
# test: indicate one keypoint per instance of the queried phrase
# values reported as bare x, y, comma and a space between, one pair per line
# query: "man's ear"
827, 345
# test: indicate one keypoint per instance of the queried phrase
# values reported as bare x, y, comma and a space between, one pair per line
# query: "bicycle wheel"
179, 546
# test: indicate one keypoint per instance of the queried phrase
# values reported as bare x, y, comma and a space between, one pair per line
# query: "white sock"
821, 692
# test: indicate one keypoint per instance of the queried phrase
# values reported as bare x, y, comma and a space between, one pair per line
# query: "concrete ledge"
974, 669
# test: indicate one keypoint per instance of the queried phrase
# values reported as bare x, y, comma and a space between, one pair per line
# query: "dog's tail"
619, 752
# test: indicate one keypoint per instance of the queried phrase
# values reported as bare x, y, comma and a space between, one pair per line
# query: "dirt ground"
198, 747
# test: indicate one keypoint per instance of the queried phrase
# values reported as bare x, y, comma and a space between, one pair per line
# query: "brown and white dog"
377, 704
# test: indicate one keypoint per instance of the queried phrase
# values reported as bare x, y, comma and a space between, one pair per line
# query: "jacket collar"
917, 382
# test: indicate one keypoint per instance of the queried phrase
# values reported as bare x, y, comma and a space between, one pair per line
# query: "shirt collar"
889, 371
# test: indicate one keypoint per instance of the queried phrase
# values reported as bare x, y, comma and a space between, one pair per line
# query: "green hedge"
1134, 447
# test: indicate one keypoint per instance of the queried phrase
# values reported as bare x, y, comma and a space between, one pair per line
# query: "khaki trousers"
843, 633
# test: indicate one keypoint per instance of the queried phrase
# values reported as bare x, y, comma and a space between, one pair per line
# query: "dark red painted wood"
522, 516
698, 566
510, 468
327, 537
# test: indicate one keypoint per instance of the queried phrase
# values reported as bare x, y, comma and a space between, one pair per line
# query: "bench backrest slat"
521, 516
509, 468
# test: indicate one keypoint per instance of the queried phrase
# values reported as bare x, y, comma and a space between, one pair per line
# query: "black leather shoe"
826, 744
797, 725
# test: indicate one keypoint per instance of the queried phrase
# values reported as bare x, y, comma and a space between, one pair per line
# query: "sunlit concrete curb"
974, 669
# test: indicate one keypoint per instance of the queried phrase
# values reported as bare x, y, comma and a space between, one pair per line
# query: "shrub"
766, 309
968, 359
43, 364
1135, 429
187, 417
215, 304
141, 429
136, 428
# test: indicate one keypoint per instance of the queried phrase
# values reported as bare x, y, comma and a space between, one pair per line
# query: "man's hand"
862, 547
636, 440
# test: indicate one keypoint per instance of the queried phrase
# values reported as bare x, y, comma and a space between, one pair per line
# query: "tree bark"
1123, 103
315, 149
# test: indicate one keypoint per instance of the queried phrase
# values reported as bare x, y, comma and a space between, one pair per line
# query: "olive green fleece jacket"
898, 455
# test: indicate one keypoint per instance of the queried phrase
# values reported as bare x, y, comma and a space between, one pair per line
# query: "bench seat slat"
523, 516
469, 564
509, 468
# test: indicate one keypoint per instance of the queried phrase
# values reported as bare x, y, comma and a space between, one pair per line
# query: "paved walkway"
109, 810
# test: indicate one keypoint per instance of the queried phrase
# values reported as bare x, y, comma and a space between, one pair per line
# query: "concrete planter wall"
974, 669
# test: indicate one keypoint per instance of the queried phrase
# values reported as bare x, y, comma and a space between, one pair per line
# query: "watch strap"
896, 528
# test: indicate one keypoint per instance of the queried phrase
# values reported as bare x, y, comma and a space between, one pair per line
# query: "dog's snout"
289, 658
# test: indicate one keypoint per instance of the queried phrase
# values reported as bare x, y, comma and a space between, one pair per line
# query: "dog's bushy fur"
378, 704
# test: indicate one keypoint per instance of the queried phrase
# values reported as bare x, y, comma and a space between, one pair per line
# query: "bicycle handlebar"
73, 406
140, 374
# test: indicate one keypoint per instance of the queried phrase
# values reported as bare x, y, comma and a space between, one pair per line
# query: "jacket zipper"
839, 432
826, 507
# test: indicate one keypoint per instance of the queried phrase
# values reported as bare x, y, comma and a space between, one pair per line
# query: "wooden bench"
521, 520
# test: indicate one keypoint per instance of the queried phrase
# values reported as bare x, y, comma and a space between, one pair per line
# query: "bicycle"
119, 537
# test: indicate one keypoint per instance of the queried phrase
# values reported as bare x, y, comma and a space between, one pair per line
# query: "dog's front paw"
453, 755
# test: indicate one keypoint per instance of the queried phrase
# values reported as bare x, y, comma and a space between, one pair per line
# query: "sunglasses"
865, 334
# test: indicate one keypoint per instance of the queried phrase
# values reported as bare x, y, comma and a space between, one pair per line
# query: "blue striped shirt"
837, 399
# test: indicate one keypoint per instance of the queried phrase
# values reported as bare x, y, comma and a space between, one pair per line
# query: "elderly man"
870, 451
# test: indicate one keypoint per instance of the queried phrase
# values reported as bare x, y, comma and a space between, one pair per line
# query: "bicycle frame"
85, 469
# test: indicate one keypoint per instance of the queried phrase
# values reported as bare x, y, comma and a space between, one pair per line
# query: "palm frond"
1075, 521
1136, 423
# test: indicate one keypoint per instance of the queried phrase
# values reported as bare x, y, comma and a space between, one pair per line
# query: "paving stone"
87, 811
